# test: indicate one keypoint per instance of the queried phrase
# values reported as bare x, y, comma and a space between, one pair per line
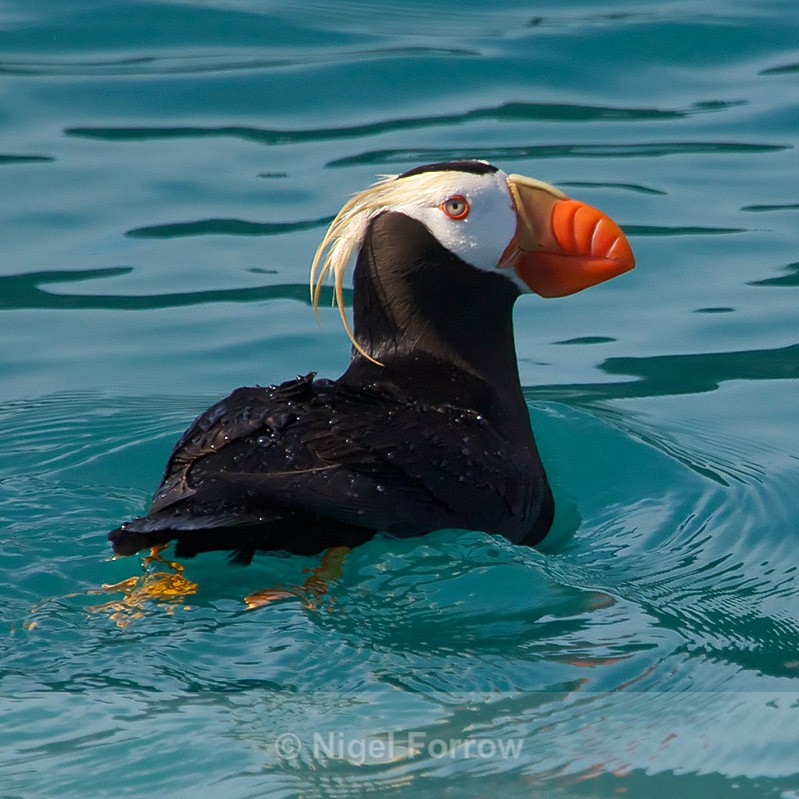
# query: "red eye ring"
456, 207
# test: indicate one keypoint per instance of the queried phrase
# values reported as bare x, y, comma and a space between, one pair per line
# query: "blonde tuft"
347, 231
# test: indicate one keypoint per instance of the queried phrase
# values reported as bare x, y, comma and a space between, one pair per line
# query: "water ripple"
778, 207
25, 159
664, 375
506, 112
785, 69
224, 227
213, 63
684, 544
790, 279
587, 340
588, 184
620, 624
679, 230
619, 150
25, 291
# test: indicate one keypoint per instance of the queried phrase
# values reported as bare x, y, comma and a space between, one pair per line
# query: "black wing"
359, 459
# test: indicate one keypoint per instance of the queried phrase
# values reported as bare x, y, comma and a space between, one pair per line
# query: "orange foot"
314, 587
170, 587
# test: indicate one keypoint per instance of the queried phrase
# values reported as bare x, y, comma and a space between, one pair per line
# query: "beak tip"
624, 256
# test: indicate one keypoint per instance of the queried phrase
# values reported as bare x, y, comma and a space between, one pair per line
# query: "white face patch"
482, 235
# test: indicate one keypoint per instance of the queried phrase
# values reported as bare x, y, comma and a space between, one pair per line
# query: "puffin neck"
437, 324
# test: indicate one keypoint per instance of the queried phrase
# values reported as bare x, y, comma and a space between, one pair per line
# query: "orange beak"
562, 245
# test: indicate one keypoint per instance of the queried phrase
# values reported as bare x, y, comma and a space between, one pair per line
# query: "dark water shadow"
18, 292
224, 227
669, 375
507, 112
763, 208
678, 230
791, 279
618, 150
589, 184
25, 159
179, 63
586, 340
784, 69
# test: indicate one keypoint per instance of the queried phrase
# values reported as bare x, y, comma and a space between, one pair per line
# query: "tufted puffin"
427, 428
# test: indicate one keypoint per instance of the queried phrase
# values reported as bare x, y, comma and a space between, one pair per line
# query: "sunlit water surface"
166, 170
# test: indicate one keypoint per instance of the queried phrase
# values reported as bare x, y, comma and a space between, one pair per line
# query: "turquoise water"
166, 171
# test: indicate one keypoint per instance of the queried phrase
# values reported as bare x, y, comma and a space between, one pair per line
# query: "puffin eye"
456, 207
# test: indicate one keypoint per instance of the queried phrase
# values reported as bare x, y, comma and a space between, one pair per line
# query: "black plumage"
437, 435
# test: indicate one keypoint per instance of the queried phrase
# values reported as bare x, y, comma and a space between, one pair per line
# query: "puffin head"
519, 228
